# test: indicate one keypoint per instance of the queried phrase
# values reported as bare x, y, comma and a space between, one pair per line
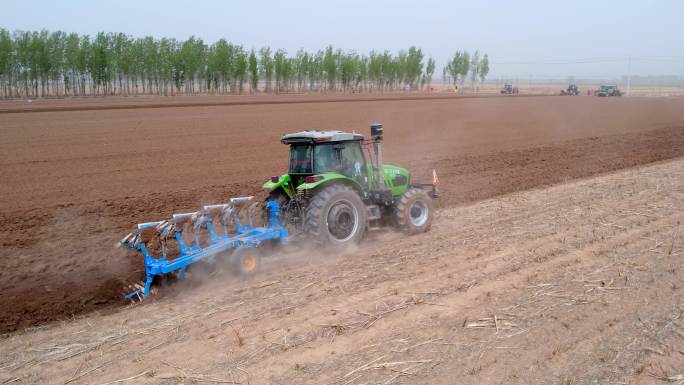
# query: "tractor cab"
320, 152
318, 157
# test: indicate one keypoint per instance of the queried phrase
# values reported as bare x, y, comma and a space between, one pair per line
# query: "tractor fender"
330, 178
282, 184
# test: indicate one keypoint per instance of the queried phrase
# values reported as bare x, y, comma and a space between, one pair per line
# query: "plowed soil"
74, 181
579, 283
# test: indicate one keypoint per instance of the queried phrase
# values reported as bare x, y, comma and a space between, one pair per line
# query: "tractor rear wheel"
413, 211
336, 217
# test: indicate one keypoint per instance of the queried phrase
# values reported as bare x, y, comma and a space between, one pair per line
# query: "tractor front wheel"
413, 211
336, 217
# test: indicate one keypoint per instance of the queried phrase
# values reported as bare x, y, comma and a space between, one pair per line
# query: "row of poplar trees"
463, 65
43, 64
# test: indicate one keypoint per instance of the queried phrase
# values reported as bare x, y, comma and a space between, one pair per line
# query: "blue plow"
171, 246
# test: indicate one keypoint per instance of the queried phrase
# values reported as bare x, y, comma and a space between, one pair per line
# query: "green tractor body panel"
283, 184
328, 178
397, 179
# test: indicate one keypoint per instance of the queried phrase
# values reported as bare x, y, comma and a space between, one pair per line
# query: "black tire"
245, 260
413, 211
336, 217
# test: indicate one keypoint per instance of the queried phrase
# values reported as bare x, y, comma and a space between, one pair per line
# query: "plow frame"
221, 240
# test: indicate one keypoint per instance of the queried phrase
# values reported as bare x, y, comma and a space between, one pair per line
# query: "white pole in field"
629, 74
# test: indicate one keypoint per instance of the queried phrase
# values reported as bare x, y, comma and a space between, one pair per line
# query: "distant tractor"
572, 90
605, 90
509, 89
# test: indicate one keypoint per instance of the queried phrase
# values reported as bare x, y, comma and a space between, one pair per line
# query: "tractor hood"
391, 171
397, 178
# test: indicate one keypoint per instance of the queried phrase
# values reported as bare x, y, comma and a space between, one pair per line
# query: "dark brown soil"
75, 182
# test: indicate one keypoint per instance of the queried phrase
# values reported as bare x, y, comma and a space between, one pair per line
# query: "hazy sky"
522, 38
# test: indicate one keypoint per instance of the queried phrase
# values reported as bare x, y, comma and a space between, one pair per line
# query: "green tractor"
605, 90
337, 187
572, 90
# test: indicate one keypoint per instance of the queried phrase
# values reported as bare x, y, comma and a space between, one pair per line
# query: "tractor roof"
315, 136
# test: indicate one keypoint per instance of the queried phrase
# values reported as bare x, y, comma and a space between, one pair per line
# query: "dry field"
578, 283
517, 282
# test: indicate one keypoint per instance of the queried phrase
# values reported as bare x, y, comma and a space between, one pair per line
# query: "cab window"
300, 159
345, 158
353, 161
325, 158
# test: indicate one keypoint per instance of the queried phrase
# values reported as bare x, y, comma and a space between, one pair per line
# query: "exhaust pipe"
376, 136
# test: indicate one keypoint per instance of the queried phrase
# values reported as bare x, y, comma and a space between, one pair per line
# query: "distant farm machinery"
608, 90
509, 89
572, 90
336, 188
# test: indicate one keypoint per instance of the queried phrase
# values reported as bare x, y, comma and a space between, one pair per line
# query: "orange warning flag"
435, 180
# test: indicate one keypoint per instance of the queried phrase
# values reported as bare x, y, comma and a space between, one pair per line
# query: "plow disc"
170, 246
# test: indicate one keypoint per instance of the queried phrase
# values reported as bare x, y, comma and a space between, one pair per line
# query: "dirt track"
579, 283
74, 182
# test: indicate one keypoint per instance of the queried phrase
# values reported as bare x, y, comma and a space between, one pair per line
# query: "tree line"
463, 64
56, 64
